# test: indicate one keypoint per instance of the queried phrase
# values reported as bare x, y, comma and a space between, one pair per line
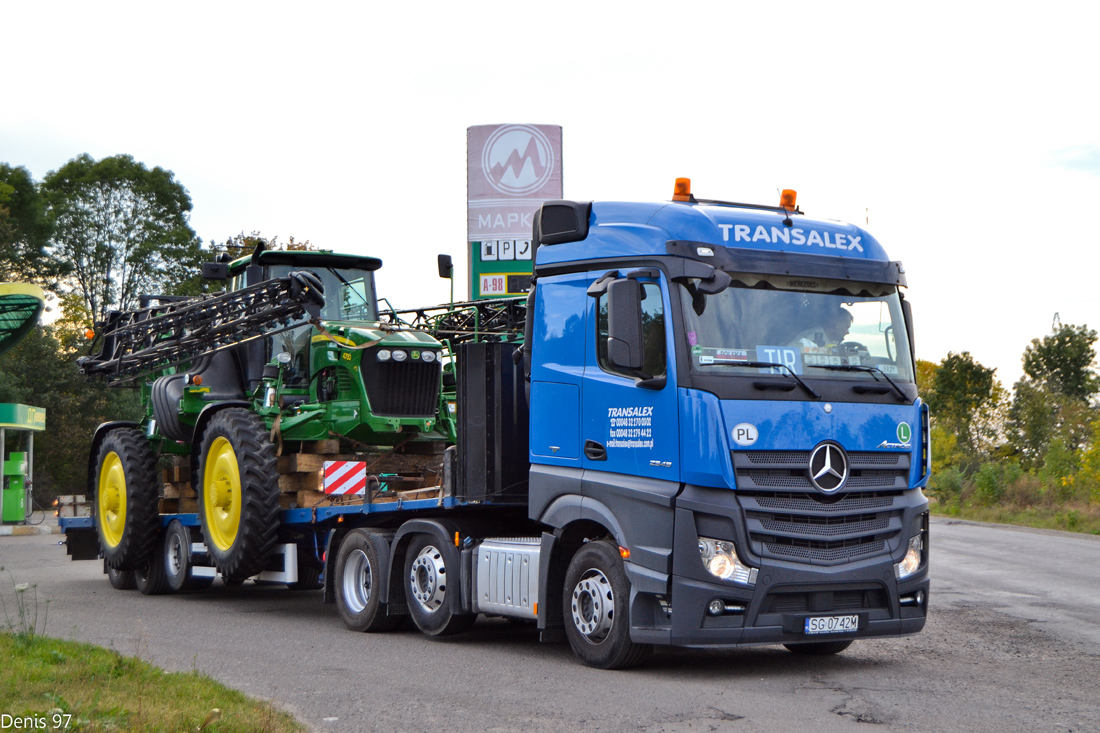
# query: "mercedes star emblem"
828, 468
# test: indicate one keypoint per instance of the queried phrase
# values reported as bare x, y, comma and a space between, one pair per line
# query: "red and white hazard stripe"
345, 477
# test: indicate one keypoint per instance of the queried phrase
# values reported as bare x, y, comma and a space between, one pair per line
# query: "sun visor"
764, 262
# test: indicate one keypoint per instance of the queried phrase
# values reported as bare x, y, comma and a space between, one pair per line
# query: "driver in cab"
835, 324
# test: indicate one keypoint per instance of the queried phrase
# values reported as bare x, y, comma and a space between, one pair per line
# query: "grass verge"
1083, 517
103, 690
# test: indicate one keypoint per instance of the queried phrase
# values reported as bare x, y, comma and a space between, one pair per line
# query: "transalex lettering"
630, 412
745, 233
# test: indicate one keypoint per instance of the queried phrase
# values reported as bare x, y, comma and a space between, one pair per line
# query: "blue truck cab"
728, 393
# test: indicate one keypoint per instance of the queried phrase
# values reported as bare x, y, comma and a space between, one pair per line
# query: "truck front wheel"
358, 581
597, 621
238, 493
430, 590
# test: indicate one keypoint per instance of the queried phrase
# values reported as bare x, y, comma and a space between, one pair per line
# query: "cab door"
628, 428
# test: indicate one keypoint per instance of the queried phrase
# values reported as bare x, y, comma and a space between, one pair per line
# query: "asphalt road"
1012, 643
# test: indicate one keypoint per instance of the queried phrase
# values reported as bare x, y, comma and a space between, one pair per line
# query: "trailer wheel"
595, 599
126, 493
819, 648
177, 559
430, 599
121, 579
152, 578
238, 491
358, 581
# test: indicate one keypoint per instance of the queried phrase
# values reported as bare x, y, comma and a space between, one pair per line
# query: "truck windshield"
349, 292
810, 326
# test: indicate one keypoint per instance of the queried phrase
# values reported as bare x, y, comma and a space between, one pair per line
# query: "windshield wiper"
349, 286
870, 370
765, 365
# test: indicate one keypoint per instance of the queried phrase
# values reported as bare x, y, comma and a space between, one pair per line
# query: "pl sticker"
745, 434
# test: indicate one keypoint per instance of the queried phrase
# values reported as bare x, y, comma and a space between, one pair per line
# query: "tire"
431, 603
819, 648
309, 578
178, 568
126, 493
152, 579
121, 579
595, 603
238, 490
358, 580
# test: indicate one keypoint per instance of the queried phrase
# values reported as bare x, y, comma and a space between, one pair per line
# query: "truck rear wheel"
126, 494
431, 599
238, 489
358, 581
597, 621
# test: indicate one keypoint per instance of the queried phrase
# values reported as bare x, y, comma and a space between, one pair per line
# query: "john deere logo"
904, 432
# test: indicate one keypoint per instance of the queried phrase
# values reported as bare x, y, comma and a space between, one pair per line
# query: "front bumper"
786, 592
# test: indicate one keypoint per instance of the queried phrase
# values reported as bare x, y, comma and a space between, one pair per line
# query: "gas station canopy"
20, 306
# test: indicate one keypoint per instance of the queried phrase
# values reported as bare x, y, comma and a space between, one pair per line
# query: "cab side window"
653, 333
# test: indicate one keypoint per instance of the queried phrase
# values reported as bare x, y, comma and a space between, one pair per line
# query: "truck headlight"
911, 562
720, 559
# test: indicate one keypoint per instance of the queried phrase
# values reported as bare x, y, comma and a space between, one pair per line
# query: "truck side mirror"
624, 324
907, 312
446, 267
215, 270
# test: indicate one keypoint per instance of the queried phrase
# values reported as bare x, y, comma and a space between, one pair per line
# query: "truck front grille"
819, 529
790, 470
402, 389
788, 519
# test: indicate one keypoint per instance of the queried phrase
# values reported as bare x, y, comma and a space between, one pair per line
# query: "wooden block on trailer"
329, 446
189, 506
168, 506
291, 482
288, 501
179, 491
304, 462
310, 499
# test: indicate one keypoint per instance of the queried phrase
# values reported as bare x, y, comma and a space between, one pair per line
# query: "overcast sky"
966, 136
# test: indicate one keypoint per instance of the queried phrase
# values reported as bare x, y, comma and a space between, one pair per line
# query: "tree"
1062, 362
24, 229
966, 399
124, 229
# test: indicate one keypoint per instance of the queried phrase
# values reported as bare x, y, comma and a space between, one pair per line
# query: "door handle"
595, 451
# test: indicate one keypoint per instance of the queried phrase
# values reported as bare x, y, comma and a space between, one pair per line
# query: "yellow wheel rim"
111, 499
221, 494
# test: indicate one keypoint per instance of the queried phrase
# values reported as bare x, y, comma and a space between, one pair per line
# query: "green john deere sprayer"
236, 387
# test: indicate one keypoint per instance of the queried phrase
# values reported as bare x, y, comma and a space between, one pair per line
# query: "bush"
992, 481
